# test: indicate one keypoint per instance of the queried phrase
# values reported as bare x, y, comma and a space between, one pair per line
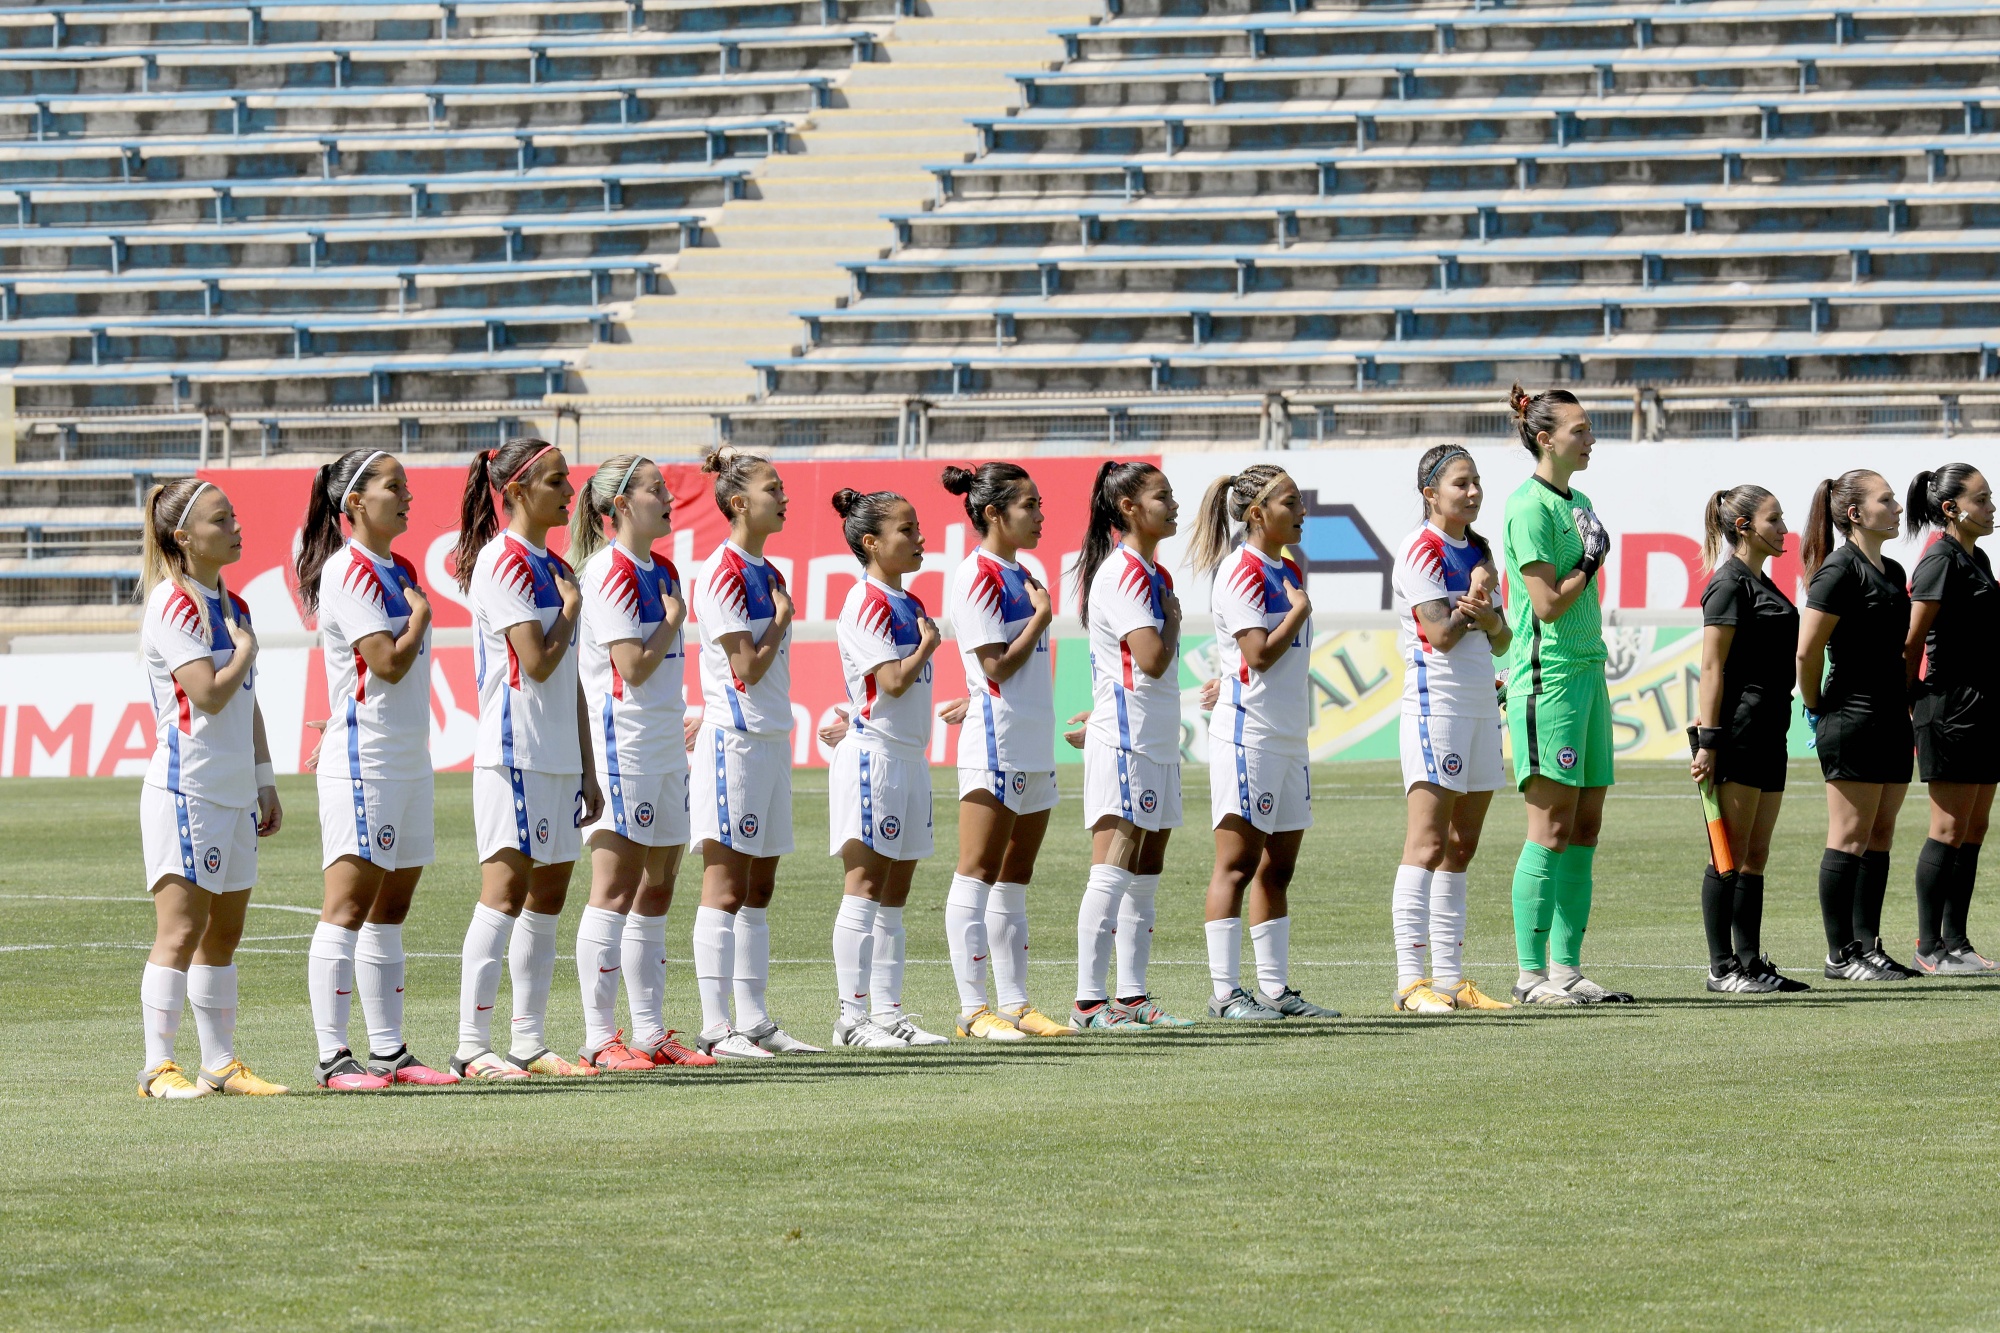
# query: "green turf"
1803, 1162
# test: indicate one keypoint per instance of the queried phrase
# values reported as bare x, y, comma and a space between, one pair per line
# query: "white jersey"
1432, 567
374, 729
635, 729
1131, 710
1268, 710
1010, 725
523, 723
211, 756
879, 624
734, 597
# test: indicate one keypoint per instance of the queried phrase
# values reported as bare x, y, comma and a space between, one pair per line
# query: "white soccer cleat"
1589, 992
904, 1026
1545, 991
866, 1034
730, 1045
777, 1041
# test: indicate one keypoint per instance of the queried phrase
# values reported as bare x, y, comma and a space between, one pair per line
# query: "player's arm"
897, 675
270, 810
1551, 594
1715, 641
540, 653
211, 690
389, 657
1815, 628
1001, 660
593, 796
750, 658
1262, 648
1444, 624
1922, 616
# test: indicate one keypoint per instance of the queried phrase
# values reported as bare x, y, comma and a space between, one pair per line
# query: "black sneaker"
1734, 979
1881, 959
1853, 964
1763, 968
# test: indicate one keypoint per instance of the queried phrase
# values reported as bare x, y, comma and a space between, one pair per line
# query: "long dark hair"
320, 538
1536, 413
1719, 517
862, 514
1923, 504
1831, 500
478, 519
1115, 481
988, 484
1428, 469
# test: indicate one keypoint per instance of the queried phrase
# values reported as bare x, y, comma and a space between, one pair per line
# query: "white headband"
180, 524
355, 480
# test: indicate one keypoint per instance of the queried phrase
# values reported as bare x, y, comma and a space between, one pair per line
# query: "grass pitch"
1692, 1161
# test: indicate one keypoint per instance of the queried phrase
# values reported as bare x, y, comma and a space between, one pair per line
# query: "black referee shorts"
1958, 735
1862, 742
1753, 747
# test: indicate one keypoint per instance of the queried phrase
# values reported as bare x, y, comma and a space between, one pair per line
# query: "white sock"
212, 992
479, 978
162, 992
531, 966
966, 934
1409, 917
714, 966
1225, 955
1448, 927
1096, 920
1135, 935
598, 955
643, 957
885, 976
1560, 973
1271, 946
753, 967
330, 985
378, 980
853, 951
1007, 936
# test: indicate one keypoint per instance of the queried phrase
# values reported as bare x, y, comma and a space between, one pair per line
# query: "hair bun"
1518, 399
958, 480
716, 460
845, 499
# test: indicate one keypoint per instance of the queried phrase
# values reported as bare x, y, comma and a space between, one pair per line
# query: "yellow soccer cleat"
552, 1065
166, 1081
236, 1080
1034, 1022
1419, 998
989, 1026
1465, 995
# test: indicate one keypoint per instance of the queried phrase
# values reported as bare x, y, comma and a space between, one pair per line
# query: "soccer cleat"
1880, 956
1589, 992
402, 1067
1419, 998
548, 1063
672, 1052
1763, 968
1545, 991
343, 1073
777, 1041
1294, 1005
730, 1045
1853, 964
905, 1026
1927, 963
1033, 1022
865, 1034
166, 1082
989, 1026
1735, 979
1242, 1006
487, 1068
1465, 995
616, 1057
1101, 1017
235, 1080
1965, 961
1149, 1015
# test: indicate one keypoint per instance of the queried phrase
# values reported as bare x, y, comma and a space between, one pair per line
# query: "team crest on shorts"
747, 826
1264, 803
1149, 800
1452, 765
212, 861
643, 816
385, 837
542, 831
1566, 757
1020, 783
891, 826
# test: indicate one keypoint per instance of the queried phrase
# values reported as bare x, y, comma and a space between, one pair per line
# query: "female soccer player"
1132, 751
210, 790
1260, 785
1558, 710
1853, 686
1749, 645
1452, 732
1000, 614
630, 662
374, 763
1954, 613
742, 761
534, 783
879, 812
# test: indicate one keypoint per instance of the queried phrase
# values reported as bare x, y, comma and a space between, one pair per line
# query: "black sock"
1953, 929
1839, 875
1868, 896
1086, 1006
1747, 920
1718, 901
1936, 883
1130, 999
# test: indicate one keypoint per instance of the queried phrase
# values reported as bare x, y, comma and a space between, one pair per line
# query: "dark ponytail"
1536, 413
1721, 515
862, 514
486, 480
1831, 500
1923, 504
990, 484
320, 537
1115, 481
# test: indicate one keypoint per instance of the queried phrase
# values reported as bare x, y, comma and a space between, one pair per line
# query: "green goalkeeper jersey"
1541, 526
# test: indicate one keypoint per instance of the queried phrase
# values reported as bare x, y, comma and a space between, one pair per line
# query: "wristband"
1708, 738
1589, 565
267, 776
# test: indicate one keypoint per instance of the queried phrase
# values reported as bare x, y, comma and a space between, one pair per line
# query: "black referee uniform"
1757, 676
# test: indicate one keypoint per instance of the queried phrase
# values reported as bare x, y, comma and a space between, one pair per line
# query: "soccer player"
534, 782
373, 761
1558, 710
1853, 685
742, 761
210, 790
1452, 733
879, 784
1954, 613
1259, 779
630, 661
1749, 646
1132, 750
1000, 614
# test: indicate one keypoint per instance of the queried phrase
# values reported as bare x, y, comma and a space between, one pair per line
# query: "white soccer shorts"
213, 847
1270, 792
741, 790
1457, 753
1021, 792
651, 809
1129, 786
880, 801
385, 821
539, 815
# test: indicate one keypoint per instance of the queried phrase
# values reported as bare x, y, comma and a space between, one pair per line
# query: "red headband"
547, 448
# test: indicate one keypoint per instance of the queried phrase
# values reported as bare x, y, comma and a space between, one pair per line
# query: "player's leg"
1573, 893
984, 826
1239, 850
1007, 914
866, 874
617, 869
1269, 915
1874, 888
351, 885
380, 970
1960, 957
1850, 818
180, 916
1721, 893
531, 970
212, 995
1134, 935
1428, 811
885, 980
1552, 816
725, 888
1448, 905
753, 959
643, 959
1114, 852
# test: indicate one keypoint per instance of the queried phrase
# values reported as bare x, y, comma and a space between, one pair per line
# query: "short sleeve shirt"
879, 625
211, 756
1010, 725
635, 728
1441, 682
1268, 710
1865, 651
1131, 710
523, 722
1965, 636
734, 596
375, 730
1758, 673
1541, 526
